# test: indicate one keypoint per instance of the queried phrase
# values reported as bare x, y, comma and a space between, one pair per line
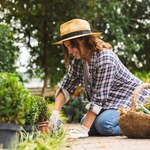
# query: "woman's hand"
55, 122
80, 132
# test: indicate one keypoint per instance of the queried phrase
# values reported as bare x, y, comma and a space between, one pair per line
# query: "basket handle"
136, 93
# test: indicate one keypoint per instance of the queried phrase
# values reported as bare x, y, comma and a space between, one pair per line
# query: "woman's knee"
107, 123
103, 127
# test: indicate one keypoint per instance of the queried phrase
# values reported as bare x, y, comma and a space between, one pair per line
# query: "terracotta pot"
43, 127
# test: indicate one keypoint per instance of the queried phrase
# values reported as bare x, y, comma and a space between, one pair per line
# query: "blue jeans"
106, 123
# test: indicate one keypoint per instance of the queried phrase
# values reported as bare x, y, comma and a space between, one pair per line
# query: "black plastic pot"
30, 128
9, 135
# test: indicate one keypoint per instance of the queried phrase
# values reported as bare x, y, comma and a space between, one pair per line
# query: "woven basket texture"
132, 123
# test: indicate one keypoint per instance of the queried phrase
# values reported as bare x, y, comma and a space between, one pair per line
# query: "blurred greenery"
8, 51
74, 110
125, 24
144, 76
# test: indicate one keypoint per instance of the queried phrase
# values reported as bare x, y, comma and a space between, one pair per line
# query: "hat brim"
73, 37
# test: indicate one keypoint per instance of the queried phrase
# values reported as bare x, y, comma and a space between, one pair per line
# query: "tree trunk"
45, 85
45, 58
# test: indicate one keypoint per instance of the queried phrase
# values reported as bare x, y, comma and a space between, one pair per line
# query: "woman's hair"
86, 45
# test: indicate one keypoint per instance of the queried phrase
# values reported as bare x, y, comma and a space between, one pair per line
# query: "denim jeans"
106, 123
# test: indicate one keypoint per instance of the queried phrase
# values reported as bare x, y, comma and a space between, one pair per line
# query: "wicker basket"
135, 124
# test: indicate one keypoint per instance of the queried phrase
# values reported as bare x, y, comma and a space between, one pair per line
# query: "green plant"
38, 111
44, 112
9, 52
42, 141
14, 99
32, 115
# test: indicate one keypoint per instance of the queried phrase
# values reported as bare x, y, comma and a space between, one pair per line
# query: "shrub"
14, 99
38, 111
44, 112
32, 115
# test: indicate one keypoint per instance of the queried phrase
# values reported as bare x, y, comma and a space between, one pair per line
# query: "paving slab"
106, 142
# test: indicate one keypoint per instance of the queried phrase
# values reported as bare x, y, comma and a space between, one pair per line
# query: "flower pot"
43, 127
30, 128
9, 135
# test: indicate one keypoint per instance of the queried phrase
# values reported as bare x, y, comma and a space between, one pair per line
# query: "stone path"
106, 143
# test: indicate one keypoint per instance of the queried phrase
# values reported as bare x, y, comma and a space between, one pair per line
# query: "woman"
110, 82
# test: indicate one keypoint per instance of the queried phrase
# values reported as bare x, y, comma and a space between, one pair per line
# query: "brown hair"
86, 45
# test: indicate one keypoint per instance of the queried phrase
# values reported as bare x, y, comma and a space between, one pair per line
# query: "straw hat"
75, 28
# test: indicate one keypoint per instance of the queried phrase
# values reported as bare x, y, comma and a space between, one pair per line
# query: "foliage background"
8, 51
123, 23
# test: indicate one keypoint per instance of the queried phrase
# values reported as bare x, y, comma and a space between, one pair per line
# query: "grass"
40, 141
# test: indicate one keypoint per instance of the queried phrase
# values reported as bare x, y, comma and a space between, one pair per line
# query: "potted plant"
14, 103
38, 115
31, 116
43, 115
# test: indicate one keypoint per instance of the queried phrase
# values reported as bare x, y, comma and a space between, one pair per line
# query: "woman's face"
72, 50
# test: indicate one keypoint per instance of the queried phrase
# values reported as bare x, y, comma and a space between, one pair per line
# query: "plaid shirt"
111, 82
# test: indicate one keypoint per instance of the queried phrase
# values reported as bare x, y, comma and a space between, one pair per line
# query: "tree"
126, 25
123, 24
39, 21
8, 51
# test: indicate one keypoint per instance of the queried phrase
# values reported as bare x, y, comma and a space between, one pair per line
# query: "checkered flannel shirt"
111, 82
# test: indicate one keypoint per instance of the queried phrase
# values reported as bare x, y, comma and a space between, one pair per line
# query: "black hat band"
81, 32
